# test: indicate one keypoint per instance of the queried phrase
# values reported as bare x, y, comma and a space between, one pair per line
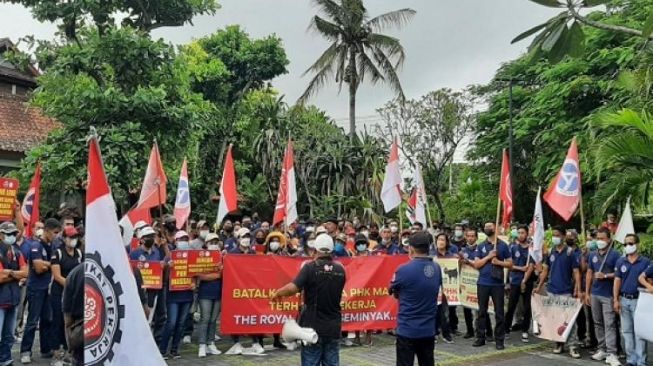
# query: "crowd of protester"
605, 279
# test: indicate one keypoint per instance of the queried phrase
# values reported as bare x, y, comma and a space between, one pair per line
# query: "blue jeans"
326, 352
635, 346
39, 314
8, 323
177, 313
58, 334
209, 310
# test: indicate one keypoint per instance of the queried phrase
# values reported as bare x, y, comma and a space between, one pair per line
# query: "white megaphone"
292, 331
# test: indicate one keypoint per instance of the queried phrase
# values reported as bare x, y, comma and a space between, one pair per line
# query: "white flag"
535, 250
625, 224
115, 329
391, 190
416, 210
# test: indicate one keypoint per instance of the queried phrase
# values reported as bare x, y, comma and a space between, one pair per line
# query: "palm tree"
357, 49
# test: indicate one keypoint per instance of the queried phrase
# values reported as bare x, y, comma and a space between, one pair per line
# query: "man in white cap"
322, 281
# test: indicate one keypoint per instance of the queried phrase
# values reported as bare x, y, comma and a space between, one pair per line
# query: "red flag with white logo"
30, 208
153, 192
116, 331
228, 193
505, 190
286, 208
182, 202
564, 194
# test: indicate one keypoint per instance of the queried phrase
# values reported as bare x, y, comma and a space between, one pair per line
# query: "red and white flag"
30, 208
416, 211
115, 329
535, 250
505, 190
286, 208
153, 192
228, 193
182, 202
128, 223
391, 190
564, 194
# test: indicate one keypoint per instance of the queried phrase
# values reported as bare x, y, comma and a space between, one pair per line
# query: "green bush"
646, 245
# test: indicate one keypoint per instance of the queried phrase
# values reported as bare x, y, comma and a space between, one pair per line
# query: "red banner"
203, 261
152, 273
179, 278
8, 192
249, 282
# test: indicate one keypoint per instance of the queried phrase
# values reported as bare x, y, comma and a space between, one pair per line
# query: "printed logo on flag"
569, 182
183, 194
28, 204
103, 312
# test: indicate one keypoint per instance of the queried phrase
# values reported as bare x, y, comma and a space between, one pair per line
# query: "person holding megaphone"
322, 281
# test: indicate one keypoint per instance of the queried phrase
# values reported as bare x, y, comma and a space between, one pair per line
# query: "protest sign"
152, 273
250, 281
468, 295
180, 280
450, 279
555, 316
203, 261
8, 192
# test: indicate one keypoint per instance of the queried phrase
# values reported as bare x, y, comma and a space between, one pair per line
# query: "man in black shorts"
322, 281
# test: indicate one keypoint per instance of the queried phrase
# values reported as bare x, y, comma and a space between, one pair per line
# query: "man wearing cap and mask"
64, 260
203, 231
416, 285
387, 245
322, 281
13, 268
331, 226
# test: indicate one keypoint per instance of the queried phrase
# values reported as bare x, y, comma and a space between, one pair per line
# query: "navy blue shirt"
561, 271
416, 284
140, 254
26, 246
230, 244
469, 252
602, 287
485, 273
649, 272
42, 251
453, 250
629, 273
210, 290
519, 257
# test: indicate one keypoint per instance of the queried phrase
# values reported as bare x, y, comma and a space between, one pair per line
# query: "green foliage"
474, 199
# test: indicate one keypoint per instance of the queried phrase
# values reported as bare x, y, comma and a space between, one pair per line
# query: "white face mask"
310, 243
405, 242
458, 234
556, 241
274, 246
39, 233
244, 242
601, 244
9, 239
394, 229
204, 234
182, 245
366, 233
630, 249
213, 247
72, 243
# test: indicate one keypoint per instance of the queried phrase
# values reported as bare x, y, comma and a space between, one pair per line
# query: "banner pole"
580, 201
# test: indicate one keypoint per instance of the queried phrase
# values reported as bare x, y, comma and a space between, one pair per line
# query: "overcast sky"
449, 43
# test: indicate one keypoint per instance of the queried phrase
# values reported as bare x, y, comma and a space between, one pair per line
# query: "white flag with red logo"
228, 193
535, 249
416, 211
505, 190
153, 192
286, 208
391, 190
564, 194
115, 329
182, 202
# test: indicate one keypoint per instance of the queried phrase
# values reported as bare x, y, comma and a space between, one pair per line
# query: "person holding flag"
521, 281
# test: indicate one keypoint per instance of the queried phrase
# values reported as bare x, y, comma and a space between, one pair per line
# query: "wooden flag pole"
583, 237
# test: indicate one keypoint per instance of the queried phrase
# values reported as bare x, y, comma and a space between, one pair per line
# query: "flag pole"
583, 236
158, 183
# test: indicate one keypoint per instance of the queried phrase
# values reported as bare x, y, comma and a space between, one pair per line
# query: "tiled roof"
21, 125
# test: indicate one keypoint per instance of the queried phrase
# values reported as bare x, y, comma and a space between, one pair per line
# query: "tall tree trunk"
353, 86
439, 205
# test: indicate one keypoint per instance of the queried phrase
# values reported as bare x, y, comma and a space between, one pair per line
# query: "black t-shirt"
322, 281
73, 293
67, 262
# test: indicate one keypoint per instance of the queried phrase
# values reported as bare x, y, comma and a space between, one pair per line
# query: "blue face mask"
339, 248
361, 247
182, 245
592, 245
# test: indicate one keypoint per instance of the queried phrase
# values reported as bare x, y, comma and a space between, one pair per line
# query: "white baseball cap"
147, 230
140, 224
180, 234
211, 236
324, 244
242, 232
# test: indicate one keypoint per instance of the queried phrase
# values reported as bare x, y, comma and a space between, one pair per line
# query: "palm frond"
327, 58
330, 8
342, 64
389, 45
316, 83
367, 67
397, 18
328, 30
389, 71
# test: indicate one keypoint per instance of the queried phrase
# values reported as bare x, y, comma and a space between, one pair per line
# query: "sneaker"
256, 349
236, 349
478, 343
217, 338
166, 356
277, 344
524, 337
213, 350
201, 353
499, 346
186, 340
175, 355
558, 348
448, 339
599, 356
347, 342
468, 335
612, 360
573, 352
25, 358
507, 335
